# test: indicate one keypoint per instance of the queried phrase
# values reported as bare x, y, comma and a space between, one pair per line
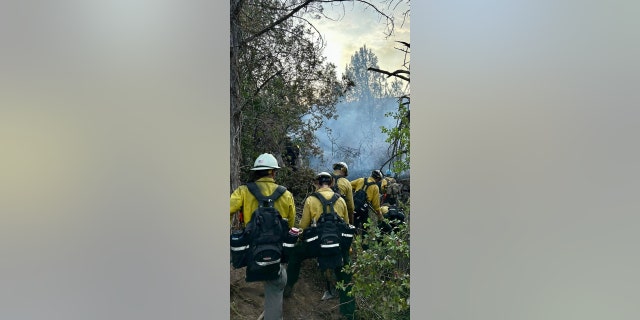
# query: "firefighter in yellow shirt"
373, 192
264, 169
313, 207
343, 186
311, 213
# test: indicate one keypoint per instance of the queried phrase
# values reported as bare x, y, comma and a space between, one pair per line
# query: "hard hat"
376, 174
324, 177
265, 161
343, 165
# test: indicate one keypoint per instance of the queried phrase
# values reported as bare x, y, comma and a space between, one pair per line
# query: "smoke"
355, 137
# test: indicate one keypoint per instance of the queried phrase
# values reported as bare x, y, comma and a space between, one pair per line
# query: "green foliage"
286, 84
380, 273
299, 182
398, 137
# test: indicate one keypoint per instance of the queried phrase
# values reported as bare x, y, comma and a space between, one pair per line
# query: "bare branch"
279, 72
279, 21
393, 157
314, 28
405, 43
391, 74
365, 2
304, 4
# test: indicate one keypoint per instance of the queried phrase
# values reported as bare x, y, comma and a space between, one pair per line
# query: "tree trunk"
236, 100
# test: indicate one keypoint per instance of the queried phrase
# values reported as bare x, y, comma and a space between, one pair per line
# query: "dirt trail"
247, 298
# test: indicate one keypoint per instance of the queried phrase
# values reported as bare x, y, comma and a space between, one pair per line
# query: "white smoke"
356, 138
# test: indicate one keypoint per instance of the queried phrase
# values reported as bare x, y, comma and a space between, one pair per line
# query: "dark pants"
295, 258
299, 254
347, 304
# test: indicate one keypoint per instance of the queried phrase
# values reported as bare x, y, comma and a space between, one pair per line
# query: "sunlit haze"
357, 26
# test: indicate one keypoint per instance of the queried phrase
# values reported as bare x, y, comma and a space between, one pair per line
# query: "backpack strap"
265, 201
365, 186
335, 186
326, 203
367, 183
335, 178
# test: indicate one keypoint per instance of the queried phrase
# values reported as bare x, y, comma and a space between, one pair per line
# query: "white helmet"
341, 165
324, 177
265, 161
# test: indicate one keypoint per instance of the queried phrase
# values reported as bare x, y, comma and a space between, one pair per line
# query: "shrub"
380, 273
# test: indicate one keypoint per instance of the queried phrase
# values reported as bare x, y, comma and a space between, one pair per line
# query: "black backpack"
395, 217
334, 187
361, 204
266, 231
395, 214
330, 228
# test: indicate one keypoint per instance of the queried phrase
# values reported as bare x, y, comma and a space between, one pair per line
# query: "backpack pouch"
239, 249
347, 233
263, 263
330, 238
288, 245
311, 241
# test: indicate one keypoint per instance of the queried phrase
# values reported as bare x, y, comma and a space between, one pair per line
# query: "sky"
359, 25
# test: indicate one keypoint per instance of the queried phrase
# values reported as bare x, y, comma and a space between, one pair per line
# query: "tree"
276, 68
398, 136
278, 74
367, 86
382, 261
